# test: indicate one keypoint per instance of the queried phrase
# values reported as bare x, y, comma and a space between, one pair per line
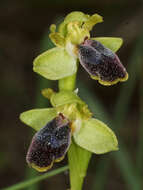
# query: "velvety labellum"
50, 144
101, 63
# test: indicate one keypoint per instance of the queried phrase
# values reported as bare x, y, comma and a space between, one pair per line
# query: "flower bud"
101, 63
50, 144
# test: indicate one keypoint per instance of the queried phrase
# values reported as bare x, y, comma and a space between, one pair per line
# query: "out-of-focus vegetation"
23, 34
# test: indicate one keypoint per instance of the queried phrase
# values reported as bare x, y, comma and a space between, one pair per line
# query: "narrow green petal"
76, 16
65, 97
112, 43
38, 118
94, 19
96, 137
55, 64
57, 39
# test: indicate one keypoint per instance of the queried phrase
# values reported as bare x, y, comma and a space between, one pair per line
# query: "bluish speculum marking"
100, 61
50, 143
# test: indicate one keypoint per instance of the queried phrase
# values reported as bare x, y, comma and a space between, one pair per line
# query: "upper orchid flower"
74, 44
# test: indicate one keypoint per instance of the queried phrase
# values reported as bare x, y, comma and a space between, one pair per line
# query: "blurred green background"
23, 35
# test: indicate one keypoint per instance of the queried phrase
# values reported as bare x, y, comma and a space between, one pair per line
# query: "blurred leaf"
127, 168
112, 43
41, 102
139, 159
122, 156
96, 137
78, 163
38, 118
37, 179
55, 64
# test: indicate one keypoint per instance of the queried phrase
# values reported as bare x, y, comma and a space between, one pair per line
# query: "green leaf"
112, 43
65, 97
94, 19
73, 16
55, 64
96, 137
78, 164
38, 118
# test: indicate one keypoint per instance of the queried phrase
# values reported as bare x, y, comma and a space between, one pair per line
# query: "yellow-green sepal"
112, 43
96, 137
38, 118
55, 64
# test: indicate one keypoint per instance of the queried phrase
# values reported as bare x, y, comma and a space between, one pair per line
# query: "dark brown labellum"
50, 144
101, 63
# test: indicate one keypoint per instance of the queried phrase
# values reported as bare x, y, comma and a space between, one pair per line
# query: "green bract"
96, 137
55, 64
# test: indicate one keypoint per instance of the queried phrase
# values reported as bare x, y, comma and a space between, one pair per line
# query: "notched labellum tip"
50, 144
101, 63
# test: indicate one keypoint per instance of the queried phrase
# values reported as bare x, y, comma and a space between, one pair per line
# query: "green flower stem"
27, 183
40, 102
78, 158
67, 83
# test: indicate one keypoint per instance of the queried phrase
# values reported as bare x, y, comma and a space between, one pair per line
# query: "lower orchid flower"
69, 120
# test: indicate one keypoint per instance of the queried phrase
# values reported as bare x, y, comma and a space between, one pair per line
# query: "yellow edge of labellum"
106, 83
44, 169
41, 169
59, 159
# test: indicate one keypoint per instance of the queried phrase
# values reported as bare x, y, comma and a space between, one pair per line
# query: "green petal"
96, 137
38, 118
55, 64
73, 16
94, 19
76, 16
65, 97
112, 43
57, 39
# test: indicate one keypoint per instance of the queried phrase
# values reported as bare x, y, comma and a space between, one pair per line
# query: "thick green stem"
68, 83
78, 157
